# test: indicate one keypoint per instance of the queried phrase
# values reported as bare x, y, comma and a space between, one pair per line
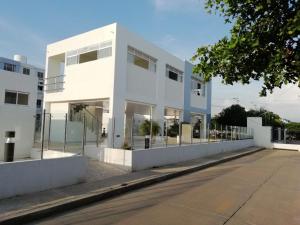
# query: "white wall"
18, 118
29, 176
198, 101
261, 134
148, 158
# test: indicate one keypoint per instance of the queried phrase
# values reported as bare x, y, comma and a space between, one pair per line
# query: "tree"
146, 126
268, 118
293, 126
263, 44
234, 115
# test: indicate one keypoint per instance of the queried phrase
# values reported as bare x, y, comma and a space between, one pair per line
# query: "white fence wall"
148, 158
29, 176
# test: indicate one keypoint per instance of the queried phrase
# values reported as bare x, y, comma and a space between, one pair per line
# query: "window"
10, 97
105, 52
141, 59
40, 88
40, 75
88, 56
198, 87
89, 53
38, 103
22, 99
13, 97
9, 67
26, 71
174, 74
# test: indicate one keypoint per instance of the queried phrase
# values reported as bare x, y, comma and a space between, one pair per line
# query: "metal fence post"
231, 132
43, 132
166, 133
208, 132
49, 131
65, 135
97, 133
221, 133
83, 134
180, 132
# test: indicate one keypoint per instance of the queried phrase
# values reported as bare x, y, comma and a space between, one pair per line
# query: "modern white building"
21, 101
117, 78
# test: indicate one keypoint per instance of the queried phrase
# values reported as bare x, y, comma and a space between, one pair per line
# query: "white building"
21, 101
116, 77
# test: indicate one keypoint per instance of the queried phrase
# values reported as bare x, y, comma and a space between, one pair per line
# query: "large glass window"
141, 59
89, 53
174, 74
88, 56
10, 97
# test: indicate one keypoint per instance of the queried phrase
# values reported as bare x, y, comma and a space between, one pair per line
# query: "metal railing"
54, 83
287, 136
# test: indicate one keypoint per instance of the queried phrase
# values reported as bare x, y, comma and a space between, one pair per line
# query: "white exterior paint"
261, 134
14, 117
22, 177
114, 79
148, 158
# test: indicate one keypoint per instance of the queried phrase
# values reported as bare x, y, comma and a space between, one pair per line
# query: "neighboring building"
116, 76
21, 101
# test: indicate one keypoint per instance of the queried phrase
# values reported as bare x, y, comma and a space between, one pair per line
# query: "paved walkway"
259, 189
100, 175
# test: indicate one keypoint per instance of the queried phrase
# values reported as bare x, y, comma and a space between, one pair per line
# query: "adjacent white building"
117, 78
21, 101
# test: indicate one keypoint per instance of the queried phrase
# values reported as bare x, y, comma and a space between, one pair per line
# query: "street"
261, 189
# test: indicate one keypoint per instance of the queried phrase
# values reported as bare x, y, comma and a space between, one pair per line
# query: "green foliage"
146, 126
236, 115
292, 126
264, 43
173, 131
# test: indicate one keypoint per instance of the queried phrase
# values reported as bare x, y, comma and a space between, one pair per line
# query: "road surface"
259, 189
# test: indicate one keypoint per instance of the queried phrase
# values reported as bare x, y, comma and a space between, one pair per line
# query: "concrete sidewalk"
33, 202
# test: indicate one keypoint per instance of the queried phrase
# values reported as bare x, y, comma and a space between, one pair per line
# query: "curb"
26, 216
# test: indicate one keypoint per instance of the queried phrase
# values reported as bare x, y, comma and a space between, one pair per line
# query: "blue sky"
179, 26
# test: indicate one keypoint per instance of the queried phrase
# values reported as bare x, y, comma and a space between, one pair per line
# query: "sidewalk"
101, 177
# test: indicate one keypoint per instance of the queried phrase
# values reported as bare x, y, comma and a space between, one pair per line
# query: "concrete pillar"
279, 134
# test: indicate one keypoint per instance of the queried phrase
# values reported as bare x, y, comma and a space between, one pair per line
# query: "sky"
178, 26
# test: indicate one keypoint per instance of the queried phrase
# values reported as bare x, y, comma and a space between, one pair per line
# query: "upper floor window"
38, 103
14, 97
26, 71
198, 87
89, 53
40, 75
40, 88
174, 74
141, 59
9, 67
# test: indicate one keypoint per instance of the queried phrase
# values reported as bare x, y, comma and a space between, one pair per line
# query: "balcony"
54, 83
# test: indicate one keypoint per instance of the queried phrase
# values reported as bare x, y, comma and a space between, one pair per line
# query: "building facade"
21, 102
119, 78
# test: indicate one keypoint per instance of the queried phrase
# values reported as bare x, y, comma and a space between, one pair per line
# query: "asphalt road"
259, 189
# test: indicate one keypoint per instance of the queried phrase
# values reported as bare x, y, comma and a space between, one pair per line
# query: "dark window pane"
173, 76
40, 75
9, 67
10, 97
38, 103
89, 56
26, 71
40, 88
22, 99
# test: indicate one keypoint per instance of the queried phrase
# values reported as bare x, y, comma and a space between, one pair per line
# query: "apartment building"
21, 102
118, 77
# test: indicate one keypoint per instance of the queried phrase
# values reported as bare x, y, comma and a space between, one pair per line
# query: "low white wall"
286, 146
148, 158
261, 134
29, 176
143, 159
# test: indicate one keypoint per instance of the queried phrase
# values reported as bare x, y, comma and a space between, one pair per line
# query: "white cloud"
174, 5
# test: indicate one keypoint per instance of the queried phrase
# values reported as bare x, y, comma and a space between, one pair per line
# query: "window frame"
26, 71
17, 97
133, 54
172, 69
